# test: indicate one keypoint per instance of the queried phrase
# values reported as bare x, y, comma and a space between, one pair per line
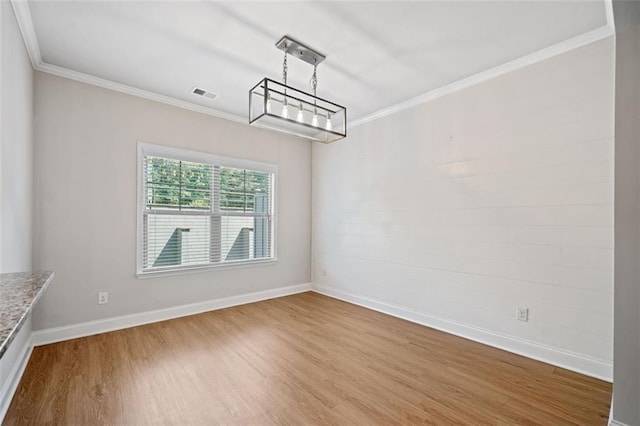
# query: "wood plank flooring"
297, 360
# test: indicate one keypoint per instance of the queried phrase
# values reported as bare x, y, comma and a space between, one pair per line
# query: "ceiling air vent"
201, 92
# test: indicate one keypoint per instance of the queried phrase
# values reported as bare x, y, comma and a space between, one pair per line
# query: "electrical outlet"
324, 272
522, 314
103, 297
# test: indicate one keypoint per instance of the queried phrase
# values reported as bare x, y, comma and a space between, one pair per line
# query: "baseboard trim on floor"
597, 368
616, 423
13, 379
74, 331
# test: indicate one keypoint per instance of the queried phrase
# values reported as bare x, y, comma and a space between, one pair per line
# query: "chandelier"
277, 106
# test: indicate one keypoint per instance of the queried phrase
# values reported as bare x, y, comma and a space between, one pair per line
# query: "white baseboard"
73, 331
593, 367
613, 422
616, 423
11, 384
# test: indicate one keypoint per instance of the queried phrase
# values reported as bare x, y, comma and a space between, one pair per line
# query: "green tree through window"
206, 211
182, 184
178, 184
238, 188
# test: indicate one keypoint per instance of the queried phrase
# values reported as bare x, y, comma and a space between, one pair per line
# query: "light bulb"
269, 104
300, 117
314, 119
285, 110
329, 126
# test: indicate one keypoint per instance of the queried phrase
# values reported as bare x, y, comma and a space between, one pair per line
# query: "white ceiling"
378, 53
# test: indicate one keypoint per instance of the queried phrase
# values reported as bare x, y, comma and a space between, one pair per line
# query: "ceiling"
379, 54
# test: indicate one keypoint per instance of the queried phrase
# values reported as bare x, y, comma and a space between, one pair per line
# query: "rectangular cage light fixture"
277, 106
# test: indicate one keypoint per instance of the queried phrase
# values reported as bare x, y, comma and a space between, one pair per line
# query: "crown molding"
532, 58
608, 10
25, 22
130, 90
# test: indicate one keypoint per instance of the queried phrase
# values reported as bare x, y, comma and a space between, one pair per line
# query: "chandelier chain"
284, 68
314, 79
276, 105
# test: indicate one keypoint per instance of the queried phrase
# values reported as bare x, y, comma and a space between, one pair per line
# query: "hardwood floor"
303, 359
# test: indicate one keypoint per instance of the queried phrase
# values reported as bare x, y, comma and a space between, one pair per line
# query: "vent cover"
201, 92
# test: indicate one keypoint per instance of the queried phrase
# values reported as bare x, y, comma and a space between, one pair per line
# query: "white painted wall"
461, 209
12, 365
85, 219
16, 182
16, 147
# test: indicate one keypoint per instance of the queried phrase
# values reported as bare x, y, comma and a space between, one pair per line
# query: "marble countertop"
19, 291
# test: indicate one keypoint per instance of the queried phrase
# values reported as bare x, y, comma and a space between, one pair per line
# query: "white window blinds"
203, 213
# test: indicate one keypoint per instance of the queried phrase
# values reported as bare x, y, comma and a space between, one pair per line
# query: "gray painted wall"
85, 221
626, 368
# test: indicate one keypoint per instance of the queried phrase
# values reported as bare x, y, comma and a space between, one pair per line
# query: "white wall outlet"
324, 272
103, 297
522, 314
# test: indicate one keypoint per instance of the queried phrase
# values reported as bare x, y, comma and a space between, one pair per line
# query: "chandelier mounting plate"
301, 51
278, 106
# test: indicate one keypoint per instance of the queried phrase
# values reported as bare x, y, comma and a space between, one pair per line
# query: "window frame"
147, 149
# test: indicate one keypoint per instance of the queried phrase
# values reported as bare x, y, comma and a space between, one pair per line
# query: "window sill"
205, 268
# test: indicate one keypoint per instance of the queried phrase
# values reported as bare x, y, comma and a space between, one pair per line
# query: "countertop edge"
4, 345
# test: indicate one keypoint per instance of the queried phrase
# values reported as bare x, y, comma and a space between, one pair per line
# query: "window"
198, 210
